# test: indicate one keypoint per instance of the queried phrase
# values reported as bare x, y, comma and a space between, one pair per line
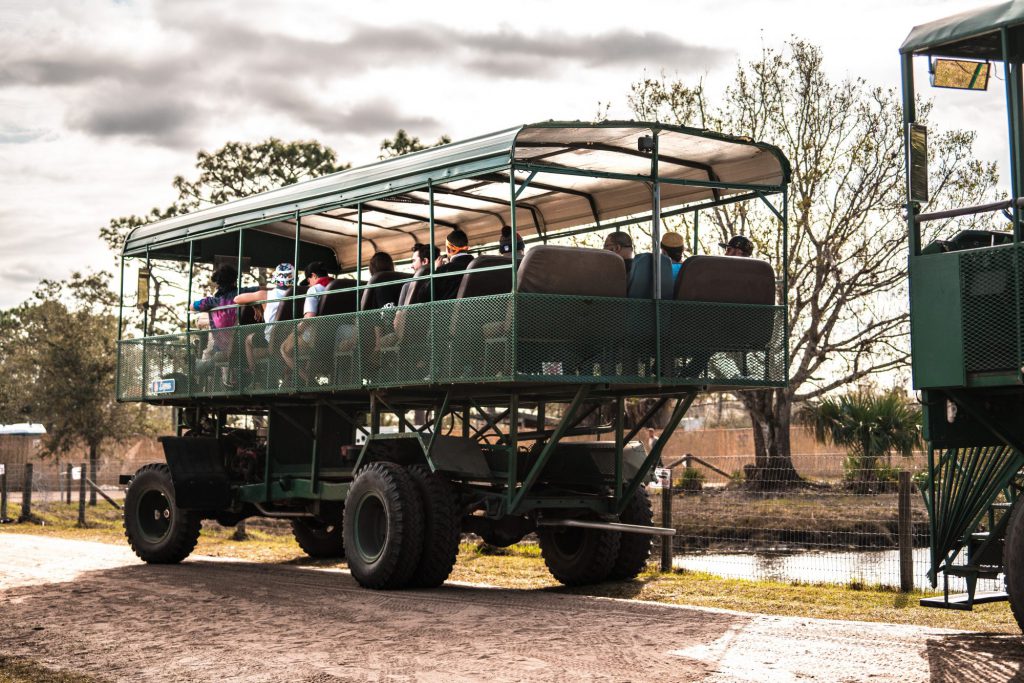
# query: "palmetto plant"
870, 425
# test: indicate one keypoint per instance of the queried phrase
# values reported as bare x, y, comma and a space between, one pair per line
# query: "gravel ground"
94, 608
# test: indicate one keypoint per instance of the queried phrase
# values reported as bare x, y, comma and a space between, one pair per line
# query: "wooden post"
81, 496
26, 495
666, 521
69, 483
906, 535
3, 495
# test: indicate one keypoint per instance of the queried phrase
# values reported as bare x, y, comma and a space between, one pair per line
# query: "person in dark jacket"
457, 247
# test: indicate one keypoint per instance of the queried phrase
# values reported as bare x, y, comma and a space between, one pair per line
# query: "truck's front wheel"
158, 530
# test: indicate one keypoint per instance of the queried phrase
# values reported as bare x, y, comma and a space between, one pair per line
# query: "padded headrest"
385, 294
726, 279
548, 269
284, 311
641, 274
490, 282
331, 304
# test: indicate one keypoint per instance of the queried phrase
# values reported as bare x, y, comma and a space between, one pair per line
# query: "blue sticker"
161, 386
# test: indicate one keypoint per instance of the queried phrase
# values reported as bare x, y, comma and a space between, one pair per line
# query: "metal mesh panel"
990, 322
542, 338
129, 370
584, 339
722, 344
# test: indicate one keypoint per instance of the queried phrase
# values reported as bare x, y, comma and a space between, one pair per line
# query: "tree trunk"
92, 473
770, 413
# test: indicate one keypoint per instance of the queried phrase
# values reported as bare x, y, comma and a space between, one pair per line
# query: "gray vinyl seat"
560, 335
698, 332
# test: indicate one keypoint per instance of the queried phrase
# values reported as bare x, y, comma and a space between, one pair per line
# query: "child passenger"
256, 344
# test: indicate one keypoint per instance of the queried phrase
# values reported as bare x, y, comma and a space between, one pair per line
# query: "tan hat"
672, 240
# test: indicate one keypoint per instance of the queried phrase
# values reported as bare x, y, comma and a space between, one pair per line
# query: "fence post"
81, 496
3, 495
666, 521
26, 495
69, 483
906, 536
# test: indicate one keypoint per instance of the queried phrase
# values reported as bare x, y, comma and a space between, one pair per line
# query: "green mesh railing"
533, 338
988, 287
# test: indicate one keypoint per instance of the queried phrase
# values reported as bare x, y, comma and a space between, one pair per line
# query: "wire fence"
837, 522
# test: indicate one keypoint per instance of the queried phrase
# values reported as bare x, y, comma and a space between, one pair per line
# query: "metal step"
962, 601
976, 570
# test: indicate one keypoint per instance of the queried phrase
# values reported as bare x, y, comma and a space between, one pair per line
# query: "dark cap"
739, 242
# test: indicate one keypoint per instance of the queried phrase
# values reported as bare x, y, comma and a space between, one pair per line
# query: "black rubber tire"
578, 557
634, 549
158, 530
442, 528
383, 526
1013, 562
320, 540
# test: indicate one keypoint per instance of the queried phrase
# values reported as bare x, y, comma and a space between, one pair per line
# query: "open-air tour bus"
414, 406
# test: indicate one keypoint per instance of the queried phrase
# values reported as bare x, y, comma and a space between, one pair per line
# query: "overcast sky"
102, 102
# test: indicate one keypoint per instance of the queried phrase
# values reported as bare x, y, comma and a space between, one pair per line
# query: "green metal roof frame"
470, 158
973, 34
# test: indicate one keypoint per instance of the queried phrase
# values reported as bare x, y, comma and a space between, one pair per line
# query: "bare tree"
848, 317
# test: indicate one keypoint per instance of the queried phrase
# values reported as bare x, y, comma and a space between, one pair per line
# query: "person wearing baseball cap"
505, 243
738, 246
672, 246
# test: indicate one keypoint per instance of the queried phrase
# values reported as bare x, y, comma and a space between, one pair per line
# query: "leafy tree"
238, 169
847, 236
402, 143
58, 362
871, 425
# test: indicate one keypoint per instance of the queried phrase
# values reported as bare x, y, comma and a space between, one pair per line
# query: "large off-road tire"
578, 557
634, 549
383, 526
442, 528
158, 530
320, 540
1013, 562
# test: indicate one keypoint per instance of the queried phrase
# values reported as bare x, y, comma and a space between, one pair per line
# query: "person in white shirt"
318, 278
257, 343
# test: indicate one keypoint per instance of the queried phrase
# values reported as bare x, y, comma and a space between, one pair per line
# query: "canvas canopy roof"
973, 34
472, 191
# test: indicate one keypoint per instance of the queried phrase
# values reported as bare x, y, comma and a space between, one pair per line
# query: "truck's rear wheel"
383, 526
158, 530
634, 549
318, 539
1013, 562
578, 557
442, 528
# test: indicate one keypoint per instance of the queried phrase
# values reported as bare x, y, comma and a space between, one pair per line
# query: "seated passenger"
505, 243
622, 244
738, 246
381, 262
280, 281
223, 314
318, 278
457, 246
672, 246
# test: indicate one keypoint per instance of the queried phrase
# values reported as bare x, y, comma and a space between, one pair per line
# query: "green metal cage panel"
500, 339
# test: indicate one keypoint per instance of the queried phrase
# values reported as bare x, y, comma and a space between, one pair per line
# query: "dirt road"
95, 609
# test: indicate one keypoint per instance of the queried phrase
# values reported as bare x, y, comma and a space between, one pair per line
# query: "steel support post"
682, 405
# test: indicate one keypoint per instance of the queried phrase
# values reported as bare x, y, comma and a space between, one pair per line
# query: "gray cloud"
289, 75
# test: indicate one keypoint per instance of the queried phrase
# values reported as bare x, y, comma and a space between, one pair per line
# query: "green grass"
13, 670
522, 567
